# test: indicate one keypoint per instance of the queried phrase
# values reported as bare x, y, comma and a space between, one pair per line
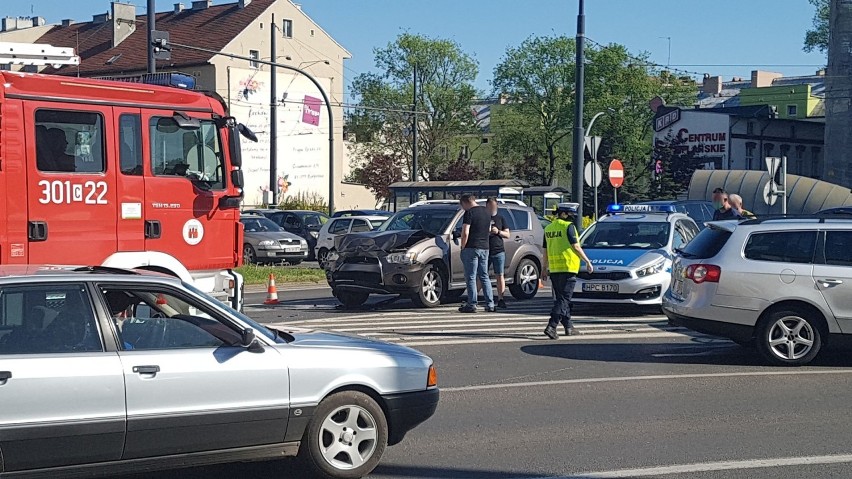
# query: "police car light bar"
37, 54
613, 209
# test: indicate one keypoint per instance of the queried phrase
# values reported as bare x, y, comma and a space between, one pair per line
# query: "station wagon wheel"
322, 257
789, 338
431, 288
249, 255
527, 276
346, 437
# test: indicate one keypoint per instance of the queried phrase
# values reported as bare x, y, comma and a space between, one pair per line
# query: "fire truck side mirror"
234, 147
246, 132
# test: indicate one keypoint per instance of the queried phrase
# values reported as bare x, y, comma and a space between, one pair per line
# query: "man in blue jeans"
476, 228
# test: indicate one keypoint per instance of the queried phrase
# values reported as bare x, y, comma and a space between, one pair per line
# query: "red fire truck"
128, 175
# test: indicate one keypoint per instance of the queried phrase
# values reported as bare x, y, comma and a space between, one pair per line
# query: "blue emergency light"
614, 209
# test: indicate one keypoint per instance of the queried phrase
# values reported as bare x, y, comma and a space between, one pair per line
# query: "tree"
445, 93
817, 37
672, 166
377, 173
537, 79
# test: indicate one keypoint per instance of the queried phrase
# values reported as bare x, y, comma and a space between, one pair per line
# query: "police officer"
562, 263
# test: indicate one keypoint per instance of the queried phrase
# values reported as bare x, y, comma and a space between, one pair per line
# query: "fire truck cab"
119, 174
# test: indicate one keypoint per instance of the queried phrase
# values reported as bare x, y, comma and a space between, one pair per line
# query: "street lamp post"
594, 155
577, 163
316, 84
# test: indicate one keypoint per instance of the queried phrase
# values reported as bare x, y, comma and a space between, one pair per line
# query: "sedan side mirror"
456, 234
249, 341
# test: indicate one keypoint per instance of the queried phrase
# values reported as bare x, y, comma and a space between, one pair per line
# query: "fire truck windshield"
194, 153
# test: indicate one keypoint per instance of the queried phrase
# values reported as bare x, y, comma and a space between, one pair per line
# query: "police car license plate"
600, 287
293, 249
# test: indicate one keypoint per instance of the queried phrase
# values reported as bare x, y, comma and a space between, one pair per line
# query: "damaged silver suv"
416, 253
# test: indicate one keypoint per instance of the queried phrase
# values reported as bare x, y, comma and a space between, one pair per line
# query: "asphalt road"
632, 397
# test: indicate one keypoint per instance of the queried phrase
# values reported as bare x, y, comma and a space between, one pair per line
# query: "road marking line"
531, 328
497, 318
713, 466
450, 342
558, 382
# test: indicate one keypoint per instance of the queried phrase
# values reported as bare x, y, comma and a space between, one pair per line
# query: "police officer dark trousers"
562, 265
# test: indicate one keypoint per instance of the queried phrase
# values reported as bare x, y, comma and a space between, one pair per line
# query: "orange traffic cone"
271, 291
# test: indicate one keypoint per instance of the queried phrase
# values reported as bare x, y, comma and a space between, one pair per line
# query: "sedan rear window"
706, 245
783, 247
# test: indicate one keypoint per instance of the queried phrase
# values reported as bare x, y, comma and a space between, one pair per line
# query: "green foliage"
678, 163
254, 274
816, 38
377, 173
445, 93
304, 201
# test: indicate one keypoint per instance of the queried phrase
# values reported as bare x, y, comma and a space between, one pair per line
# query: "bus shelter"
405, 193
544, 198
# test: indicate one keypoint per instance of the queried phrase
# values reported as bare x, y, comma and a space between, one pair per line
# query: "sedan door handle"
146, 369
5, 376
830, 282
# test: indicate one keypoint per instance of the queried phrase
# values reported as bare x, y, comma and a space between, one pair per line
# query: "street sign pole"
594, 172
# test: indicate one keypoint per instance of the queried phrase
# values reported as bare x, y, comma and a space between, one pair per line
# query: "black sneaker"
467, 308
572, 331
490, 309
550, 332
501, 303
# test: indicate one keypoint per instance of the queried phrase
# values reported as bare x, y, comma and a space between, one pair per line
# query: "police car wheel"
527, 275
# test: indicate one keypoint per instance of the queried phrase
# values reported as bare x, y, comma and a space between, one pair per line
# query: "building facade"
114, 44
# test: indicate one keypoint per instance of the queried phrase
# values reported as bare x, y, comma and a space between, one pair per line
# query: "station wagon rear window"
782, 246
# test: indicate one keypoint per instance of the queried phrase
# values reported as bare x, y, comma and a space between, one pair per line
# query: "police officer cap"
567, 207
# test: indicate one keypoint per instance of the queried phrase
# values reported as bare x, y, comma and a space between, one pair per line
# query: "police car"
631, 249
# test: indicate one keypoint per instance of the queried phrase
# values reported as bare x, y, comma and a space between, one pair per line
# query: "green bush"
304, 201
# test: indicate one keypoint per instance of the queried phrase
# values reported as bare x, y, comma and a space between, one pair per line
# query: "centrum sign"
704, 142
702, 134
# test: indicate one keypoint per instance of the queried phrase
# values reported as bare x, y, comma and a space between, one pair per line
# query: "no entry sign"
616, 173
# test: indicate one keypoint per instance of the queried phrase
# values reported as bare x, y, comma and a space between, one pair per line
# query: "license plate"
293, 249
600, 287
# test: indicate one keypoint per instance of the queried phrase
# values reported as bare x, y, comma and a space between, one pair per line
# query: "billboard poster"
302, 130
698, 134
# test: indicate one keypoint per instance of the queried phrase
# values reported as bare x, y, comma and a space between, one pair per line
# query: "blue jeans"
476, 267
498, 263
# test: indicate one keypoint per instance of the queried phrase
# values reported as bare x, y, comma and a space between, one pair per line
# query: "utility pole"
837, 160
414, 127
152, 14
273, 118
579, 134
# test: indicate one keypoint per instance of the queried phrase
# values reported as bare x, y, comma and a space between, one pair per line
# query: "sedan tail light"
701, 273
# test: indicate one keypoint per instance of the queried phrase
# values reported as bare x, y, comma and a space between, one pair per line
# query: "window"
255, 55
149, 319
69, 141
292, 221
769, 148
47, 319
130, 152
696, 212
287, 28
192, 153
782, 246
707, 244
750, 128
792, 110
507, 215
312, 32
749, 147
360, 226
339, 227
683, 234
627, 235
522, 219
837, 250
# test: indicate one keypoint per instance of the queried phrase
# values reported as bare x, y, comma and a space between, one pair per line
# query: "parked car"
544, 221
840, 210
341, 226
700, 211
266, 242
416, 253
302, 223
631, 249
112, 372
481, 201
783, 285
343, 213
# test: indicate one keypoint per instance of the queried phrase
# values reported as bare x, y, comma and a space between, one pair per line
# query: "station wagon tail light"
432, 380
701, 273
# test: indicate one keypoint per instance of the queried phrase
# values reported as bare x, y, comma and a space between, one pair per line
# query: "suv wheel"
526, 280
789, 337
351, 299
431, 289
346, 437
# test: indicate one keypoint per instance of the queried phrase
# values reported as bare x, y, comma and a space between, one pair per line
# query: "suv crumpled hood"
376, 243
323, 339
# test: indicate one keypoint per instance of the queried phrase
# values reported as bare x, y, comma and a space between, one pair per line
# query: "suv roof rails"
104, 269
821, 218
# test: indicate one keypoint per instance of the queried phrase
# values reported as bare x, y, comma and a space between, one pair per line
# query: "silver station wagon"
113, 371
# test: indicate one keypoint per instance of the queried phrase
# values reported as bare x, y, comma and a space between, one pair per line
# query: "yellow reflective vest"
561, 257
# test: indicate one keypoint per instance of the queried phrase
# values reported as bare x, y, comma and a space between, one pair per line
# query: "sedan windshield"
377, 223
626, 235
433, 221
260, 225
314, 220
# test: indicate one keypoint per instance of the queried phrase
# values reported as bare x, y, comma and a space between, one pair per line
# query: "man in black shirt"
496, 250
476, 226
721, 204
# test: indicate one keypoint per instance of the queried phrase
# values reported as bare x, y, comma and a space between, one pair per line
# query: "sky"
720, 37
